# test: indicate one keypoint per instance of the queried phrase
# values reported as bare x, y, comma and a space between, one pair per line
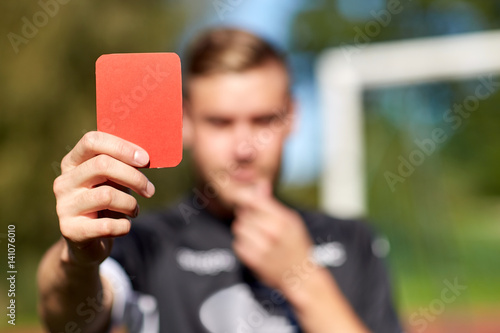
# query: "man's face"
236, 125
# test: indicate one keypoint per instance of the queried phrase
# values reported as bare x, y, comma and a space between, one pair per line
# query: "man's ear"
187, 125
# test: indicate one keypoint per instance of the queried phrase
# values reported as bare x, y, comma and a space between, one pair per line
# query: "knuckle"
283, 223
101, 163
123, 149
114, 227
60, 209
90, 139
124, 226
273, 234
57, 185
104, 195
66, 230
133, 202
139, 179
105, 228
255, 257
65, 163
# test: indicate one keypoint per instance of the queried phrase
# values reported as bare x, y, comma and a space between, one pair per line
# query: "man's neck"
218, 209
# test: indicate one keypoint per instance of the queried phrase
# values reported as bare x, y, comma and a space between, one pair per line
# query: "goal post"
343, 73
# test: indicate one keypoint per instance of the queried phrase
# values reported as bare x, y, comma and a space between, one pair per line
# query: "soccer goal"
344, 72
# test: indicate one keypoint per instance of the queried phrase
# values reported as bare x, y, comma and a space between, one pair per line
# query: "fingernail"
136, 211
150, 189
141, 157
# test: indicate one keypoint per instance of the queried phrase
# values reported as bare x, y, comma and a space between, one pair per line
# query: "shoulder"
319, 223
355, 238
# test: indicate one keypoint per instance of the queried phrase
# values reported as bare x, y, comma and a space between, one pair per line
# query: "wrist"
309, 286
72, 266
317, 297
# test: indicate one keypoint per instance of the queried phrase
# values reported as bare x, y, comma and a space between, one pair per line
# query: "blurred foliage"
322, 26
47, 100
441, 221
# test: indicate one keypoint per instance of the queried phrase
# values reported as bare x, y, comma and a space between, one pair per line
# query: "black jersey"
186, 278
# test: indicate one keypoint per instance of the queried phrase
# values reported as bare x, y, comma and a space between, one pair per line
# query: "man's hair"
229, 50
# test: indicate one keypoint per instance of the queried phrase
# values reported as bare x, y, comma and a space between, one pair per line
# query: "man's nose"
244, 145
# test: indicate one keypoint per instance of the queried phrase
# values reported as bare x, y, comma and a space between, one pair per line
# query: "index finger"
95, 143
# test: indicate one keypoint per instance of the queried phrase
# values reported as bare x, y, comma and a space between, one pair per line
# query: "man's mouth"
243, 175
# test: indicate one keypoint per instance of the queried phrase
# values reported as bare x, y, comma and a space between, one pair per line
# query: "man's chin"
227, 195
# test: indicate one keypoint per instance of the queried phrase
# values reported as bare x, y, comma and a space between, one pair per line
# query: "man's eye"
218, 122
264, 121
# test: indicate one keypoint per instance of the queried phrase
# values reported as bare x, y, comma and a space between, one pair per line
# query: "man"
232, 258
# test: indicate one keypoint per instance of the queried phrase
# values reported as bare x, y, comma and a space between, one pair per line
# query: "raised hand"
93, 183
270, 238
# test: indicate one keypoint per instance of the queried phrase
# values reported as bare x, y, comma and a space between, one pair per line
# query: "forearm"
321, 307
70, 296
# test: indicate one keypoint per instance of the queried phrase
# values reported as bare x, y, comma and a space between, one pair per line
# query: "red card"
139, 99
